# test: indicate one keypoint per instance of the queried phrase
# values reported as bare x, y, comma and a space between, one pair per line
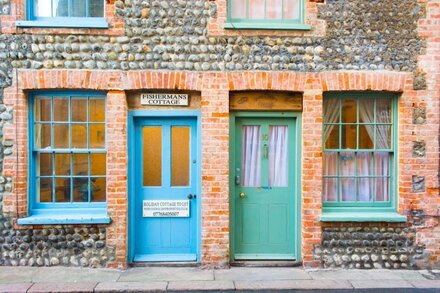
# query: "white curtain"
250, 156
348, 187
278, 155
331, 115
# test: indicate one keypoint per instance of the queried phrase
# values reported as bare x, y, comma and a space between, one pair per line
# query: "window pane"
291, 9
366, 136
81, 189
278, 163
98, 165
250, 156
348, 190
180, 156
61, 136
274, 9
382, 163
349, 111
62, 164
98, 189
152, 156
331, 133
347, 163
365, 189
331, 110
60, 109
366, 110
348, 136
330, 189
79, 136
97, 136
42, 8
383, 137
62, 189
60, 7
256, 9
238, 8
45, 164
383, 111
42, 109
381, 189
96, 8
79, 109
79, 8
44, 187
331, 164
80, 164
364, 164
42, 136
97, 110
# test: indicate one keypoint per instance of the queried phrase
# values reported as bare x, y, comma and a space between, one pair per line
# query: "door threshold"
266, 263
164, 264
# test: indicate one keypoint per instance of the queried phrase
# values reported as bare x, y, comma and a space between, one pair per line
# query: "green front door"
265, 183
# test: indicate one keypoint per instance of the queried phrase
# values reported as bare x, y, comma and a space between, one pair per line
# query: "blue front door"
165, 194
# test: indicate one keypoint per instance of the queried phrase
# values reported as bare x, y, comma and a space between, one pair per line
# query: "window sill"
267, 26
69, 217
391, 217
65, 23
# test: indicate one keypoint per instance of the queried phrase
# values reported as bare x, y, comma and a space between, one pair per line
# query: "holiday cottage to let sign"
164, 99
166, 208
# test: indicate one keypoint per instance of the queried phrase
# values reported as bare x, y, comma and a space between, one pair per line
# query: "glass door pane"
251, 155
180, 156
278, 162
152, 155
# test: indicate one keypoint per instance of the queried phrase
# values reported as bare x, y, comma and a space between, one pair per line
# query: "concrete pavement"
155, 279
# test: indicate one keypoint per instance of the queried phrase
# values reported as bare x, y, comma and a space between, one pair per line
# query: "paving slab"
262, 274
63, 274
16, 288
365, 274
166, 274
130, 286
425, 283
17, 274
200, 285
69, 287
380, 284
292, 285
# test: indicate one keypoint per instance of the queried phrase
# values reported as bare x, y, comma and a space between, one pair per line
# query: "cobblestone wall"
5, 7
372, 246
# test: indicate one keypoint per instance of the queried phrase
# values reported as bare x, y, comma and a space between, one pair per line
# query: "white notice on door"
166, 208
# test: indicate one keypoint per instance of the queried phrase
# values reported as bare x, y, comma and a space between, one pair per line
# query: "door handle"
242, 195
190, 196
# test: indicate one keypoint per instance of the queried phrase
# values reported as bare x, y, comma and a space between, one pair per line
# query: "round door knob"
190, 196
242, 194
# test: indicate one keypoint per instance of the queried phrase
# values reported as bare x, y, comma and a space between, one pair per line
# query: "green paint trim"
277, 24
298, 170
391, 217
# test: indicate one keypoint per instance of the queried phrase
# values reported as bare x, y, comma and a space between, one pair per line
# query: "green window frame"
282, 23
359, 151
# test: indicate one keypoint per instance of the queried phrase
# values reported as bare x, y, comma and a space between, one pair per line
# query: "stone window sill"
391, 217
66, 23
267, 26
98, 216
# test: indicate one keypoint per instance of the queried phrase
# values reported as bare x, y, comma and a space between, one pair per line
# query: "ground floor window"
359, 149
68, 147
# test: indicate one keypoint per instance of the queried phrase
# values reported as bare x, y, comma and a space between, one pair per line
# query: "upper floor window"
359, 150
65, 13
266, 14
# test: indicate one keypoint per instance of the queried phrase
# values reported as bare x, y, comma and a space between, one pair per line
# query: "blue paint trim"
68, 22
85, 216
391, 217
132, 115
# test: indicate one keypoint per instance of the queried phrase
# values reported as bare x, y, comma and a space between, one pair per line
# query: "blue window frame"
65, 13
67, 141
359, 142
266, 14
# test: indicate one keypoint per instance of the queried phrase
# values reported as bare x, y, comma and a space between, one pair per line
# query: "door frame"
160, 114
298, 173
